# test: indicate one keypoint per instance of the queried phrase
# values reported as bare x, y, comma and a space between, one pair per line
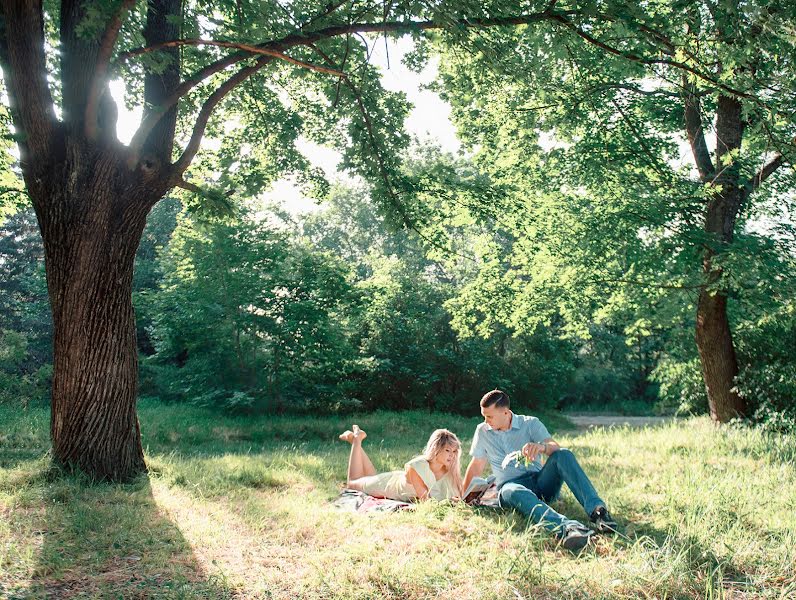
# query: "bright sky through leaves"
429, 119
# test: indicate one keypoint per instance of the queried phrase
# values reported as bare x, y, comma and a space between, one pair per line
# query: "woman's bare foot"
358, 433
347, 436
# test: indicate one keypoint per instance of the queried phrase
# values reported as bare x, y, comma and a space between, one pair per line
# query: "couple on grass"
512, 445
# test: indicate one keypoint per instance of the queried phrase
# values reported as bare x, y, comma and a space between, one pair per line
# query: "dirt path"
588, 421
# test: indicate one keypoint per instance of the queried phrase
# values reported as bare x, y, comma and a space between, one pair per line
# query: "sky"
428, 120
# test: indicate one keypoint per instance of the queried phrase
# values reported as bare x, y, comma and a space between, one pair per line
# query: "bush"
771, 392
682, 389
767, 378
21, 383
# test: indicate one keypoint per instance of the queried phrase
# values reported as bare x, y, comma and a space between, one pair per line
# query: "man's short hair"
495, 398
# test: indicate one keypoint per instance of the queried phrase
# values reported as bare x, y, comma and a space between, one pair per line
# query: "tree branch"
191, 187
303, 38
151, 120
766, 171
648, 61
695, 132
276, 48
97, 87
11, 190
330, 8
25, 74
249, 49
307, 65
209, 105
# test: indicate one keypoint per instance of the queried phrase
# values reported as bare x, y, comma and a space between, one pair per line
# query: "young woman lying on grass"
434, 474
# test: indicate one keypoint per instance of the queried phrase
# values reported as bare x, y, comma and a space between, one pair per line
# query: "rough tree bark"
91, 223
91, 205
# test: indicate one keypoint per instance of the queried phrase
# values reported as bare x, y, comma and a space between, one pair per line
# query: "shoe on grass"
575, 537
602, 521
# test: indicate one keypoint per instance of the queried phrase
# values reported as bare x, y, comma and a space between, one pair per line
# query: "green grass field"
241, 508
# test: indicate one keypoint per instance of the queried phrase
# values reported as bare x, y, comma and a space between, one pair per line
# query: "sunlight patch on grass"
227, 546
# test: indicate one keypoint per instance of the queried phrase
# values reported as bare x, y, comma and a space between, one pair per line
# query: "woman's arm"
417, 482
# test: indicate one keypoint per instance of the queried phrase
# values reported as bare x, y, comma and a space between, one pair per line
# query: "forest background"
584, 302
258, 309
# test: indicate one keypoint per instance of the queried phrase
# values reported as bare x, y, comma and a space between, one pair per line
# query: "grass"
241, 508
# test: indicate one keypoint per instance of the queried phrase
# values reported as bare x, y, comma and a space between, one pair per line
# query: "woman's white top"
394, 485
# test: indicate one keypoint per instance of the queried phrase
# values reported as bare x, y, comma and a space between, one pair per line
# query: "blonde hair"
440, 439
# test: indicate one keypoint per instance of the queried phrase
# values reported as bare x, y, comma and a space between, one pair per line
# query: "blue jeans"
530, 493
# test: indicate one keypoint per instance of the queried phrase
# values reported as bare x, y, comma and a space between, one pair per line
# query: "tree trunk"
713, 335
91, 224
717, 355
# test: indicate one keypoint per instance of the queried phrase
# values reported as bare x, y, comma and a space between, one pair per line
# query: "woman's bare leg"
367, 466
355, 468
359, 464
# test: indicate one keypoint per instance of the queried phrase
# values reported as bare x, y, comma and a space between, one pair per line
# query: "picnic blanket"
360, 502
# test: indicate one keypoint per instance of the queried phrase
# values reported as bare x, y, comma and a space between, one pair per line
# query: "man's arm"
532, 450
474, 469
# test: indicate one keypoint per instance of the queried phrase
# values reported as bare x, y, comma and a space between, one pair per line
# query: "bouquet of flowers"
516, 457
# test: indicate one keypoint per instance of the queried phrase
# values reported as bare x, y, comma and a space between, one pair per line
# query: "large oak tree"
183, 62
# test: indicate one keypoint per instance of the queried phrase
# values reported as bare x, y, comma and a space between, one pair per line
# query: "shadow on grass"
680, 563
112, 540
680, 566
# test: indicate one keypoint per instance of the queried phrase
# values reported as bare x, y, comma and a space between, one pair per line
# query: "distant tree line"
334, 310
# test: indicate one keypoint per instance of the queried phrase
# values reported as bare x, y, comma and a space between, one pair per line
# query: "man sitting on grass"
512, 444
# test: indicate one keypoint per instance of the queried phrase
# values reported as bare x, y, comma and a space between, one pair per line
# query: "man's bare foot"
347, 436
358, 433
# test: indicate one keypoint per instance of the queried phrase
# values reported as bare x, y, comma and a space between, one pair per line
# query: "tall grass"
241, 508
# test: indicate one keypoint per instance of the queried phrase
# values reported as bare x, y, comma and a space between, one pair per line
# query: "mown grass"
241, 508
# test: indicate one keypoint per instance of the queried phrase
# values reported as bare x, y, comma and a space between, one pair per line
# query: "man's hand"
474, 469
531, 450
